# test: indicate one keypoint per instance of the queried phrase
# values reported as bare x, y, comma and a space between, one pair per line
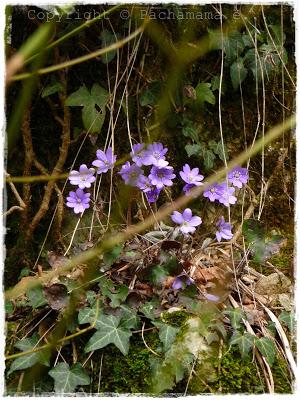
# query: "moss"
176, 318
231, 375
281, 376
126, 374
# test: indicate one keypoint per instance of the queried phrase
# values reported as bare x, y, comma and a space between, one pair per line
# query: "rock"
273, 284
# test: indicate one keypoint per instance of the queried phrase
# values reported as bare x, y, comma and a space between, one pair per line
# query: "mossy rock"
125, 374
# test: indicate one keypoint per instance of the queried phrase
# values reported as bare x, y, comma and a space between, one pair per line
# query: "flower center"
236, 175
133, 175
161, 175
156, 154
78, 200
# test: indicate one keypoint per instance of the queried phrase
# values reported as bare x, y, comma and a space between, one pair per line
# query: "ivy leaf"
36, 297
150, 96
151, 309
287, 319
193, 149
107, 39
204, 94
267, 348
209, 157
129, 319
86, 315
235, 316
66, 379
52, 88
92, 117
237, 73
116, 294
244, 342
31, 359
167, 333
109, 331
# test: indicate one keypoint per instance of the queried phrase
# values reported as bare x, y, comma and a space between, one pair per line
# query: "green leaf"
80, 98
52, 88
66, 379
215, 84
86, 315
191, 132
262, 246
204, 94
107, 39
287, 318
238, 73
24, 272
9, 307
235, 316
116, 293
267, 348
233, 47
244, 342
111, 256
150, 96
31, 359
149, 308
218, 149
109, 331
193, 149
167, 333
129, 319
277, 37
36, 297
247, 40
209, 158
92, 117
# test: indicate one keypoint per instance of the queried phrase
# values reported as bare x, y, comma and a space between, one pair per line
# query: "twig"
59, 164
152, 351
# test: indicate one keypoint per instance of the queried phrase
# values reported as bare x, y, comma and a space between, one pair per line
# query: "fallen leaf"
56, 295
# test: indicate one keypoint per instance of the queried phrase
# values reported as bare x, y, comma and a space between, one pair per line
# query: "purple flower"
181, 281
131, 173
152, 195
211, 297
226, 194
191, 176
188, 187
138, 154
186, 221
212, 192
78, 200
82, 178
238, 176
161, 177
144, 183
224, 230
105, 160
155, 155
